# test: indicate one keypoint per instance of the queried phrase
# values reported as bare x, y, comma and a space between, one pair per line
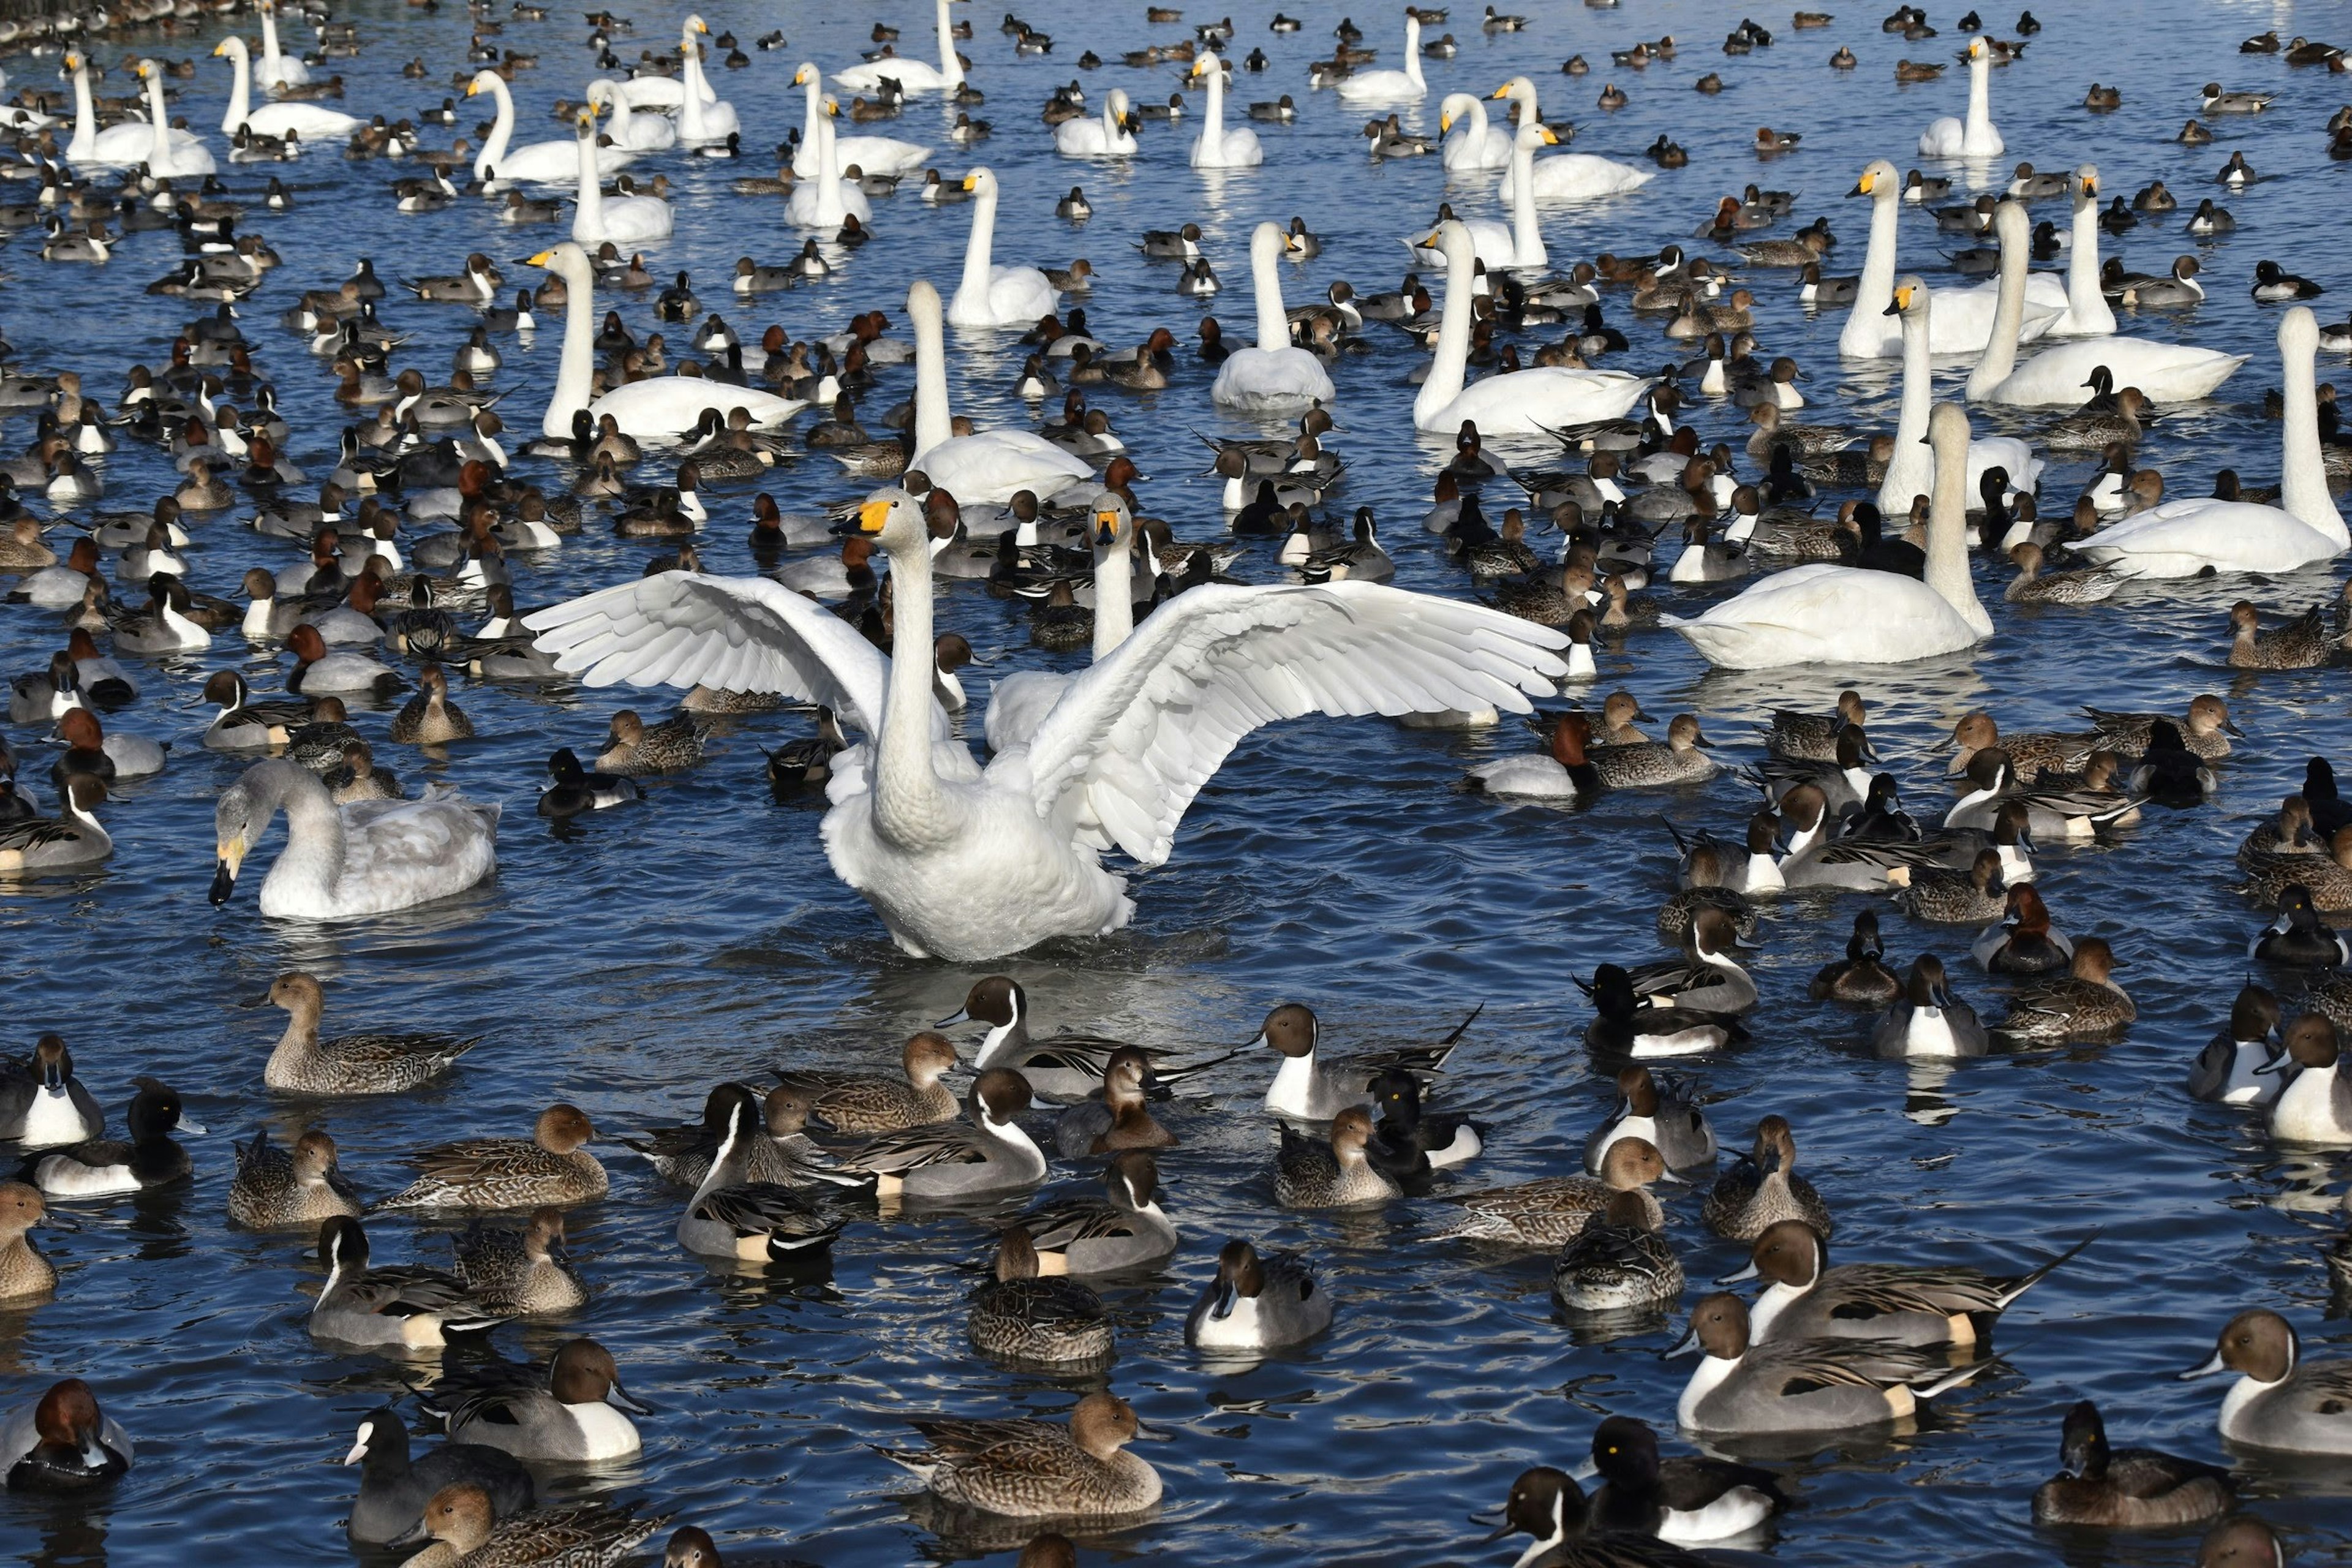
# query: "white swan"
1524, 401
631, 131
169, 155
1822, 614
967, 864
992, 466
913, 77
1963, 322
117, 147
704, 119
1911, 470
540, 163
623, 220
1518, 244
1222, 146
2087, 313
1390, 87
1018, 703
1975, 138
1565, 176
662, 409
364, 858
2166, 373
665, 92
1112, 136
1473, 142
992, 296
2182, 537
873, 154
826, 199
310, 122
1273, 374
275, 69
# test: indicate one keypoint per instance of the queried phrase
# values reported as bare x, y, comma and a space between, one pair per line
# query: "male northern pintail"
787, 1156
42, 1103
1667, 1119
1708, 976
1125, 1228
2083, 1004
1258, 1301
2315, 1106
733, 1215
24, 1272
1548, 1505
859, 1103
1038, 1469
393, 1489
1814, 736
1333, 1171
1763, 1188
521, 1273
2126, 1489
1120, 1119
2298, 938
576, 1413
2057, 812
1843, 780
1860, 978
414, 1309
989, 1156
1550, 1210
1688, 1500
1867, 866
1620, 1261
302, 1063
1803, 1385
1066, 1067
1713, 875
1914, 1304
552, 1167
62, 1442
1928, 1021
1311, 1087
2023, 943
2230, 1069
105, 1168
1411, 1141
462, 1521
1624, 1028
1021, 1316
280, 1188
2280, 1401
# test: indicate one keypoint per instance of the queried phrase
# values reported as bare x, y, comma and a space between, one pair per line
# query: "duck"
633, 747
393, 1489
1125, 1230
576, 1413
1018, 1468
2083, 1003
104, 1167
2239, 1066
2316, 1104
1310, 1086
1928, 1021
1551, 1211
1666, 1120
42, 1103
1806, 1299
25, 1273
1792, 1386
1332, 1173
2126, 1489
302, 1063
317, 669
1625, 1028
554, 1166
1763, 1189
1861, 978
1071, 1066
367, 857
1564, 771
1548, 1505
734, 1215
854, 1103
276, 1189
1684, 1500
1258, 1301
2298, 938
2273, 284
989, 1154
464, 1524
1121, 1118
408, 1308
2023, 943
63, 1444
1026, 1317
2280, 1402
429, 717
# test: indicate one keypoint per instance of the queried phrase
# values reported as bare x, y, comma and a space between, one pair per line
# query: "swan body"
540, 162
1821, 614
826, 200
1472, 142
1273, 374
2182, 537
988, 468
276, 67
1525, 402
874, 154
309, 121
623, 220
989, 295
1111, 136
118, 146
1564, 176
364, 858
1963, 316
2087, 314
631, 131
169, 154
1976, 136
704, 120
914, 77
1223, 146
1391, 86
1911, 471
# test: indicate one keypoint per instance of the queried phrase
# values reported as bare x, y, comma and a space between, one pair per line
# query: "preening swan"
275, 69
824, 200
364, 858
1271, 374
1112, 136
913, 77
1963, 322
1821, 613
541, 162
1471, 142
623, 220
2166, 373
310, 122
1391, 86
630, 131
1911, 469
992, 296
2087, 313
1222, 146
1564, 176
1523, 401
1975, 138
967, 864
703, 119
663, 408
874, 154
2182, 537
988, 467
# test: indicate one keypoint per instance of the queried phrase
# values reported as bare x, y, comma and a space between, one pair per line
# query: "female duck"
1763, 1189
302, 1063
554, 1166
1021, 1317
1620, 1261
1034, 1469
368, 858
1333, 1172
299, 1187
2083, 1004
2126, 1489
1551, 1210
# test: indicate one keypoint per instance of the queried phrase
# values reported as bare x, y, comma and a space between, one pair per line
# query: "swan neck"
1947, 536
85, 136
2085, 306
1864, 329
1453, 358
588, 223
907, 800
2303, 476
1909, 470
1527, 233
313, 857
270, 36
240, 92
689, 113
804, 160
501, 130
1113, 593
950, 67
162, 145
1213, 141
574, 367
830, 208
983, 239
1980, 96
1273, 323
1412, 52
2008, 317
933, 423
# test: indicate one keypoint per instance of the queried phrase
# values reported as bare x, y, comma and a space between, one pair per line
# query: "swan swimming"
1524, 401
623, 220
874, 154
963, 863
1963, 320
1911, 469
117, 147
1111, 136
1222, 146
1519, 243
826, 200
1474, 142
631, 131
1564, 176
914, 77
1273, 374
364, 858
1975, 138
704, 120
310, 122
992, 466
1018, 702
2087, 315
1391, 86
275, 69
989, 295
666, 92
499, 164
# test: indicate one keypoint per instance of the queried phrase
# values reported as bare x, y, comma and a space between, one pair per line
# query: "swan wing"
1122, 754
734, 634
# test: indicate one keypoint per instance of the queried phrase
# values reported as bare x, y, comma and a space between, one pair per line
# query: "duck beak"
1500, 1531
1686, 1345
2207, 1370
1145, 1434
621, 1399
56, 1220
959, 1016
1733, 1278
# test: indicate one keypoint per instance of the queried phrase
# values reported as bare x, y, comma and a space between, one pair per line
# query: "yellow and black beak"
544, 258
2090, 184
231, 852
873, 515
1107, 525
1902, 302
1861, 186
1550, 137
972, 182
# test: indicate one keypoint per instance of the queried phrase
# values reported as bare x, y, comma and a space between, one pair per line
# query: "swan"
668, 92
992, 296
1963, 322
310, 122
2182, 537
966, 864
275, 69
169, 154
826, 200
2166, 373
992, 465
913, 77
1477, 145
1950, 138
117, 147
874, 154
1821, 613
1222, 146
1911, 470
1390, 87
631, 132
623, 220
1274, 374
704, 119
364, 858
1523, 401
541, 162
1519, 243
1112, 136
1565, 176
1018, 704
2087, 313
661, 408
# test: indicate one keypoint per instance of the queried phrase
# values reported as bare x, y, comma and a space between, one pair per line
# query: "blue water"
630, 964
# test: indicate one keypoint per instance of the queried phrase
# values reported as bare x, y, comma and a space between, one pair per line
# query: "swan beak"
1861, 186
972, 182
1502, 91
544, 258
1550, 137
472, 87
1107, 521
1445, 124
832, 107
145, 70
872, 516
219, 49
700, 25
2091, 186
232, 856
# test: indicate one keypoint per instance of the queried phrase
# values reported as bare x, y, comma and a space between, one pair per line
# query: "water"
628, 965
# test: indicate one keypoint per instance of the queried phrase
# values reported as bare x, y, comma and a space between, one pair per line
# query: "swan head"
2299, 333
1879, 182
484, 81
566, 260
1910, 296
1209, 61
1113, 521
2086, 182
692, 26
149, 71
1532, 135
232, 45
805, 75
1977, 50
894, 519
242, 812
